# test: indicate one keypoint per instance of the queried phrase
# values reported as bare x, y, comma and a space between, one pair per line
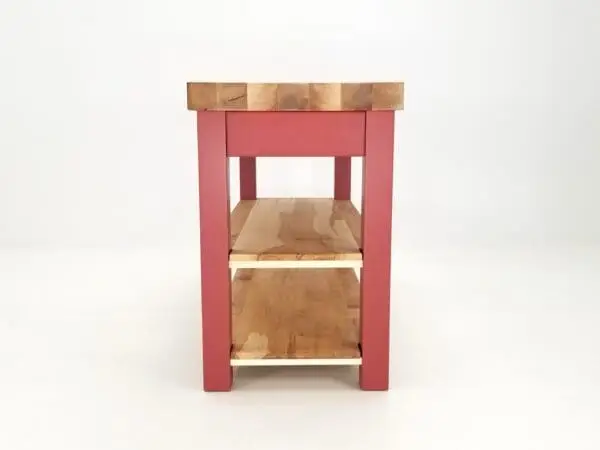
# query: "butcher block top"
295, 96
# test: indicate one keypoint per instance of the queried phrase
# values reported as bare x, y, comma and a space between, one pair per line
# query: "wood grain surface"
295, 229
295, 313
295, 96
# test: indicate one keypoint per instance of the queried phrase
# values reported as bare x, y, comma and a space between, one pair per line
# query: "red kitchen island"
294, 297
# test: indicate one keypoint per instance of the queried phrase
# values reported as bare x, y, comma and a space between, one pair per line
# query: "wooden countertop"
295, 96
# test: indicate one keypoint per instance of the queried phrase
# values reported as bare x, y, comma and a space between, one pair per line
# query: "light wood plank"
298, 264
295, 314
296, 229
296, 362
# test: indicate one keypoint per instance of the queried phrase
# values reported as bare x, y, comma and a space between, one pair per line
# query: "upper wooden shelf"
295, 232
295, 96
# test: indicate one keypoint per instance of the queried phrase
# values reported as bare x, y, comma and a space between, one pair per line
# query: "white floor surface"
491, 349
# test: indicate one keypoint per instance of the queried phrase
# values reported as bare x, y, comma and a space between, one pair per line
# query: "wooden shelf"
295, 316
295, 232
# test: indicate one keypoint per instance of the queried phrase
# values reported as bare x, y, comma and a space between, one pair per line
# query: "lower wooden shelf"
295, 317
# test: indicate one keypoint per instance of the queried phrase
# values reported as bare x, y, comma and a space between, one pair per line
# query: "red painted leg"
247, 178
342, 178
376, 243
214, 236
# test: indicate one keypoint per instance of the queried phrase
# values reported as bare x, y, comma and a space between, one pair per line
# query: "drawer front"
296, 133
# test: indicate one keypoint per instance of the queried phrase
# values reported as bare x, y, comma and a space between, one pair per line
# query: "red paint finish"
343, 165
214, 235
376, 241
295, 133
247, 178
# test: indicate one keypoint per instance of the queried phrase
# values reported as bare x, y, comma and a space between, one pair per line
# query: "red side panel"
295, 133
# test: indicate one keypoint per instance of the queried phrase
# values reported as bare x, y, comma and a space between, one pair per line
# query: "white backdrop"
499, 139
495, 287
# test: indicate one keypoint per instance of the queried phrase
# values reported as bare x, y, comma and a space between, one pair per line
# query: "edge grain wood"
295, 96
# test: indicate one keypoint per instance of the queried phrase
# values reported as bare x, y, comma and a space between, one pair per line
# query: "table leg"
214, 241
247, 178
343, 165
376, 245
